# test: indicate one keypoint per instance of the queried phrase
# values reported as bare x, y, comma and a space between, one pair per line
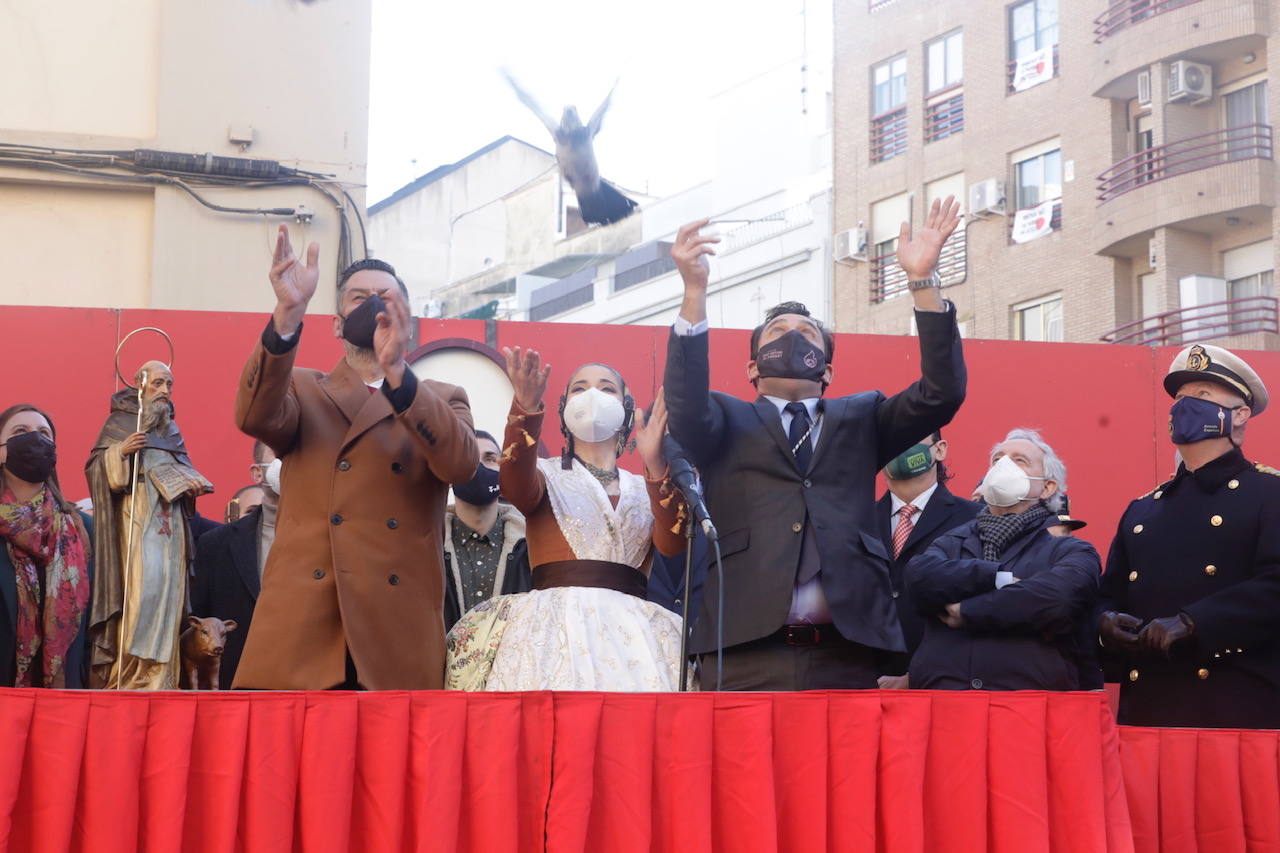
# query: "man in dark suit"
229, 562
790, 478
916, 509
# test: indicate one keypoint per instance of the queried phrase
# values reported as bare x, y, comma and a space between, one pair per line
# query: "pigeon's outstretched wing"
597, 118
528, 100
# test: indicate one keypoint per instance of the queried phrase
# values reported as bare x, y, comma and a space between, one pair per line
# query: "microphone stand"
688, 588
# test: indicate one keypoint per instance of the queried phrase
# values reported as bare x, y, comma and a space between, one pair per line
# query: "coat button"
1133, 675
511, 556
1210, 570
896, 593
335, 519
1202, 673
1216, 521
396, 467
392, 523
1137, 528
393, 580
1234, 484
1157, 494
1133, 576
344, 465
976, 684
797, 527
808, 484
318, 574
678, 602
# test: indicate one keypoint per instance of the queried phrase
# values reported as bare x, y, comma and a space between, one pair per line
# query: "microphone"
685, 477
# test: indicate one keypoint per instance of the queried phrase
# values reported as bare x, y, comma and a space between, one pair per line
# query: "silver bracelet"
923, 283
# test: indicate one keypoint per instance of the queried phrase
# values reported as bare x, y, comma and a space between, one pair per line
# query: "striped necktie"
905, 525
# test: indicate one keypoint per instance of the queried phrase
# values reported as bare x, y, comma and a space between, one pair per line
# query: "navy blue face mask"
1193, 419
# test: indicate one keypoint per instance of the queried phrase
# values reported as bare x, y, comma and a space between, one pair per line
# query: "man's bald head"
156, 380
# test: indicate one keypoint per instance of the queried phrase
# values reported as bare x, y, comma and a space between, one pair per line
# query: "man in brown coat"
352, 590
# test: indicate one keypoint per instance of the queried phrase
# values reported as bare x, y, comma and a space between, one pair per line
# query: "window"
1144, 141
1039, 319
888, 109
1033, 24
1250, 277
887, 278
944, 58
889, 85
1242, 110
952, 262
1037, 177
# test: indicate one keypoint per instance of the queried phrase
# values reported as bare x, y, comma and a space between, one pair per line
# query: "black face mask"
31, 457
362, 321
480, 490
791, 356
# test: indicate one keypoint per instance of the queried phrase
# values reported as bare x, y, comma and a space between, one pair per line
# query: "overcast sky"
436, 95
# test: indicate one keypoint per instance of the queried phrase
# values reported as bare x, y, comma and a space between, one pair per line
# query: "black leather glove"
1161, 635
1118, 632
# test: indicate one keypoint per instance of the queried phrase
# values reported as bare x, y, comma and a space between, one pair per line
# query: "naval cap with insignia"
1207, 363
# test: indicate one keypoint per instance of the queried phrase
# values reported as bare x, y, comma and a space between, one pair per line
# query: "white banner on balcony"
1034, 222
1033, 69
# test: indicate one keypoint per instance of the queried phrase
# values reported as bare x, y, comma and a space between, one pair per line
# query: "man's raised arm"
695, 421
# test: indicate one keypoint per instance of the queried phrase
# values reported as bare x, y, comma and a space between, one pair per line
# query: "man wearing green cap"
1188, 613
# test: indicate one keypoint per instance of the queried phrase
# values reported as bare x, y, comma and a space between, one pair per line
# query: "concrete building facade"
1114, 161
276, 82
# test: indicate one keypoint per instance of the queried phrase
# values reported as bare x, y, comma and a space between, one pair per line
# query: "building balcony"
1184, 183
1254, 316
1134, 34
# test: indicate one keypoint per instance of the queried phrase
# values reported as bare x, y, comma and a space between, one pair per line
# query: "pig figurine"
202, 643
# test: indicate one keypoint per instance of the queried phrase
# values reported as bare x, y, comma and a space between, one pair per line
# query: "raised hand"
528, 377
649, 432
293, 282
390, 337
690, 251
918, 251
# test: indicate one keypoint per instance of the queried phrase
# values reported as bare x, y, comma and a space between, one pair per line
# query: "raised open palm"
294, 282
919, 250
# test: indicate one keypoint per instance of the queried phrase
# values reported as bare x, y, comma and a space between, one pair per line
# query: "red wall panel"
1101, 407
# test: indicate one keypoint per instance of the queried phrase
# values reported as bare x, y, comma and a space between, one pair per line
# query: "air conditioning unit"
851, 245
1144, 88
1190, 81
987, 197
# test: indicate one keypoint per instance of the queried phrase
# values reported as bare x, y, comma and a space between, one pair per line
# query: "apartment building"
1114, 162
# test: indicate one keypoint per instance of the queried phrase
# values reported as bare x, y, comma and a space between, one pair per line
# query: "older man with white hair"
1004, 599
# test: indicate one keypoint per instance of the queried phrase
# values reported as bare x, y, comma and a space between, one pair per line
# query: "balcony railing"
1012, 70
888, 134
1184, 155
1122, 14
944, 117
1203, 322
888, 279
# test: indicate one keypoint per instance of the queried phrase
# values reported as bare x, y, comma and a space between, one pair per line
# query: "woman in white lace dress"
592, 528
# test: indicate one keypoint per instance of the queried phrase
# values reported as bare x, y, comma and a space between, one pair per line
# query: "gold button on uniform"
1133, 675
1133, 576
1216, 521
1234, 484
1137, 528
1211, 570
1202, 673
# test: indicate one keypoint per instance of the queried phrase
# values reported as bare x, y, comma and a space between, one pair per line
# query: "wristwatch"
922, 283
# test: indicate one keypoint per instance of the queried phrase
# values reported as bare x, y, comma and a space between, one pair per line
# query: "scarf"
48, 556
998, 532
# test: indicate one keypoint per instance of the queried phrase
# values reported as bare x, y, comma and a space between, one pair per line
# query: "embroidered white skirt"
565, 638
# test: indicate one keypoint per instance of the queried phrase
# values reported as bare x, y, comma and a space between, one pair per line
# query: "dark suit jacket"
77, 660
226, 584
666, 578
942, 513
761, 501
1020, 637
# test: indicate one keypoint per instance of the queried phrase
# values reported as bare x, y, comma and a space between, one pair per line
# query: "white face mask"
593, 415
1006, 484
271, 476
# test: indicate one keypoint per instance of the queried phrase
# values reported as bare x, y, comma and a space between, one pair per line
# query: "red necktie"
905, 525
